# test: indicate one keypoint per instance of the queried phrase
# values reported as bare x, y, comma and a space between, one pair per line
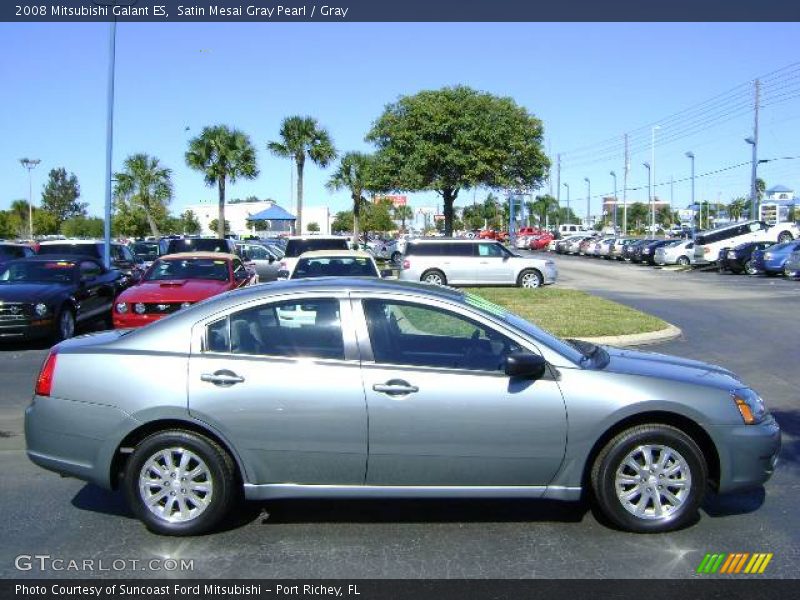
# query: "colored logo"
737, 563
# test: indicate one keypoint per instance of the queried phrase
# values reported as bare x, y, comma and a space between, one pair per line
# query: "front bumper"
133, 320
550, 274
748, 454
27, 329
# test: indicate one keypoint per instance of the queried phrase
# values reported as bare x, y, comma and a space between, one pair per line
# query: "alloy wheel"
66, 324
433, 278
175, 484
653, 481
530, 280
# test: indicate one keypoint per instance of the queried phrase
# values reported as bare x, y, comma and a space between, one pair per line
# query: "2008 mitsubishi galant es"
331, 388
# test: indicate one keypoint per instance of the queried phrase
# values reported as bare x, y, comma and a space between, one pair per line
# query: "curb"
636, 339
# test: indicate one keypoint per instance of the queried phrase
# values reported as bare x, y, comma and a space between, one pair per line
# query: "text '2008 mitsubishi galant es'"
388, 389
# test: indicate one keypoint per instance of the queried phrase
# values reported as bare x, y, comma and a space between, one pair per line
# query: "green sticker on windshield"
484, 304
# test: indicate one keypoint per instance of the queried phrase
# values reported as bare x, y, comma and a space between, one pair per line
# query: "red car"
540, 242
176, 281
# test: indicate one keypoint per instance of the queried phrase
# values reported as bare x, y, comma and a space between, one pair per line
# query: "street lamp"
690, 156
614, 175
653, 163
566, 185
30, 164
649, 197
753, 187
588, 198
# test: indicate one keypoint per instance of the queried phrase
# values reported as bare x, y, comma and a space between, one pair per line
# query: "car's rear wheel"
65, 324
530, 278
650, 478
396, 256
683, 261
434, 276
180, 483
784, 237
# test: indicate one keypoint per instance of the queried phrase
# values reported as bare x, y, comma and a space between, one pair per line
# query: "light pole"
30, 164
653, 163
753, 179
614, 175
566, 185
649, 179
588, 199
690, 156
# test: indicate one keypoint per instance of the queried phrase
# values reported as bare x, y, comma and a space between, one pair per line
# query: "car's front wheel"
530, 279
180, 483
749, 268
784, 237
65, 325
650, 478
396, 256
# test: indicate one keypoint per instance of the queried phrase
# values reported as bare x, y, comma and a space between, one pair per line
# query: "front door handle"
395, 387
222, 378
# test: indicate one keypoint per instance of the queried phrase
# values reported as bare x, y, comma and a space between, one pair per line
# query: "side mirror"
528, 366
241, 275
283, 274
271, 259
246, 256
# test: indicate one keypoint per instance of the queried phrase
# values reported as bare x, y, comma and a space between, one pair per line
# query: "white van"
709, 243
568, 229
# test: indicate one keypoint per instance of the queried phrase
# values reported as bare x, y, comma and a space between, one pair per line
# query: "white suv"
473, 262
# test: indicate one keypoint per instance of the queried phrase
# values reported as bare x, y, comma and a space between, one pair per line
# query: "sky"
589, 83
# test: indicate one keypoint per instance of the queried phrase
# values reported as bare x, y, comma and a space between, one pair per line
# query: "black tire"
610, 460
396, 256
784, 237
530, 278
62, 330
748, 267
684, 261
434, 276
220, 469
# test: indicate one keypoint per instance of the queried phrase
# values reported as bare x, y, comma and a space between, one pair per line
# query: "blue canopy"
273, 213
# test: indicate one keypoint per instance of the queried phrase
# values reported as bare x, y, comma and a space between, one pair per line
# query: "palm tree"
542, 206
403, 212
222, 154
736, 208
146, 185
351, 174
301, 136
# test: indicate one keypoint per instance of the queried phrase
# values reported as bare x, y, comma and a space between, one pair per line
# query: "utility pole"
588, 199
625, 189
753, 141
30, 164
112, 43
558, 180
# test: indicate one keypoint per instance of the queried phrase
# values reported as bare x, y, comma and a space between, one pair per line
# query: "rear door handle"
222, 378
395, 387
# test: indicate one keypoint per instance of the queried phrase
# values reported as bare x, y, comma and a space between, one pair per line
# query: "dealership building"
238, 215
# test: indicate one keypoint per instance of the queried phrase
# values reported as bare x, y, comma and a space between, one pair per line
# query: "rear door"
288, 395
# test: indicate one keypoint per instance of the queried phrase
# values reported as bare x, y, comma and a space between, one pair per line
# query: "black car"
629, 250
196, 244
739, 259
10, 251
122, 259
647, 252
51, 295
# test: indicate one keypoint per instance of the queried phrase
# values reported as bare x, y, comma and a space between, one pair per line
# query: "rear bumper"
76, 439
748, 455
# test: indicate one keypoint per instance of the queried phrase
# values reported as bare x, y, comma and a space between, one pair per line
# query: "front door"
494, 264
442, 412
284, 392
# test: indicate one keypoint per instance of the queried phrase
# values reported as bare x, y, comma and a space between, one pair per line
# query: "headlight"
40, 309
750, 406
186, 305
646, 251
139, 308
122, 308
768, 256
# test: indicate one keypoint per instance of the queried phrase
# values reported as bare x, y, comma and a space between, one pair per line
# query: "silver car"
265, 262
387, 390
679, 252
473, 262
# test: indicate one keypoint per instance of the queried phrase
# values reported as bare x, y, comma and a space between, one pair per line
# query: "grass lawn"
571, 313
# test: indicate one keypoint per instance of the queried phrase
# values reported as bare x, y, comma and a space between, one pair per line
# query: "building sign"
394, 199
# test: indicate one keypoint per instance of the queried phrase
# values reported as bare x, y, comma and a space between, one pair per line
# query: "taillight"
406, 264
45, 381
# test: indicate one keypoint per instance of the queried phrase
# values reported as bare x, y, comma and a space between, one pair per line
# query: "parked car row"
752, 247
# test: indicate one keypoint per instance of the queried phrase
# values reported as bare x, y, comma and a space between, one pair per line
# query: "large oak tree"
457, 138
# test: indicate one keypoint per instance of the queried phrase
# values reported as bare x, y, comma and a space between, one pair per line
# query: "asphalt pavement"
749, 325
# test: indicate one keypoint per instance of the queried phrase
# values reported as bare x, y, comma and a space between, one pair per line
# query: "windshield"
189, 268
335, 267
40, 272
92, 250
297, 247
145, 250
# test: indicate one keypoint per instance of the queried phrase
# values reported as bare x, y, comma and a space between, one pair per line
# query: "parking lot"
746, 324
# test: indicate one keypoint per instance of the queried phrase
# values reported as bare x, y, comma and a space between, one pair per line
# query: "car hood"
174, 290
31, 292
663, 366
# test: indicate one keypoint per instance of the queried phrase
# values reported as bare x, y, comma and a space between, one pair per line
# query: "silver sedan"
387, 390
